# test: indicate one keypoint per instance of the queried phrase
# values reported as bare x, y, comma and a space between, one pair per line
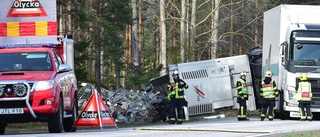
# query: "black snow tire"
68, 123
55, 121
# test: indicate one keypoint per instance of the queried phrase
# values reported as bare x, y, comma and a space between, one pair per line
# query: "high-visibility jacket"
304, 91
268, 91
242, 89
179, 91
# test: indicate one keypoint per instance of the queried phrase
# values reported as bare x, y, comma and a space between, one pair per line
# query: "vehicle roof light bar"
27, 45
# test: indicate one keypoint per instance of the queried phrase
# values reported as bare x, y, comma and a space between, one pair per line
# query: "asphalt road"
225, 127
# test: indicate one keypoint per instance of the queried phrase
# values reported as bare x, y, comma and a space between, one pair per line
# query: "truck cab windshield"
306, 54
305, 48
25, 61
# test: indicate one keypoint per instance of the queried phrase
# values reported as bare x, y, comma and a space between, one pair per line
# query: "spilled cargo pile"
127, 106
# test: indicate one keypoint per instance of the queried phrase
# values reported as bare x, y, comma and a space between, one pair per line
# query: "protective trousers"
304, 107
242, 109
176, 104
268, 105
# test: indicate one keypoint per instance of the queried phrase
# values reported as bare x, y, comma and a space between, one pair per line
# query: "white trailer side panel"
212, 83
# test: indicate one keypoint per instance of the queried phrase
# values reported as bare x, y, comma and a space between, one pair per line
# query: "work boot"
270, 119
179, 122
171, 122
262, 119
243, 119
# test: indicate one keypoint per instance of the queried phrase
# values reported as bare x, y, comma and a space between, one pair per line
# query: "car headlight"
44, 85
20, 90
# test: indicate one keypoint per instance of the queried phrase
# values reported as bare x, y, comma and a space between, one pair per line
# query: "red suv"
37, 85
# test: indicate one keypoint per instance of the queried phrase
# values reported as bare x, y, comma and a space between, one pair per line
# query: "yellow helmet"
268, 74
303, 76
172, 81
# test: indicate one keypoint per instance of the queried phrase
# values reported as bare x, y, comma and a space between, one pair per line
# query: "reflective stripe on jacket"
243, 87
268, 90
305, 90
180, 89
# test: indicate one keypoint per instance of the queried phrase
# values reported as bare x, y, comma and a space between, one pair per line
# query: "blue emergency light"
27, 45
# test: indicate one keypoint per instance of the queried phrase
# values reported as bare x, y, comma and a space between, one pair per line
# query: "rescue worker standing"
304, 97
176, 96
268, 92
242, 97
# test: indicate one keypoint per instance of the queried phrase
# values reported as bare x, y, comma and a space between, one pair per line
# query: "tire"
68, 122
55, 121
2, 128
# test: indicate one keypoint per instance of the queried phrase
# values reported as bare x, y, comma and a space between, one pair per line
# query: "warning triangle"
95, 113
26, 8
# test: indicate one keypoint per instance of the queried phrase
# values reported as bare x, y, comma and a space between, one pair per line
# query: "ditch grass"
314, 133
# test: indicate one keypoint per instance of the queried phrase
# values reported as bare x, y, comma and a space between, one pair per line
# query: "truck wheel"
2, 128
55, 120
68, 122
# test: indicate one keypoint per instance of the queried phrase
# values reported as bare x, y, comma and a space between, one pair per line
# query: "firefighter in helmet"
304, 97
268, 92
242, 97
176, 97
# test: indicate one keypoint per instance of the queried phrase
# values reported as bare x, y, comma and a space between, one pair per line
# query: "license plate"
11, 111
294, 114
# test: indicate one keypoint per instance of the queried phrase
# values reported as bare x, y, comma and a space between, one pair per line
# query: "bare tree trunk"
242, 31
163, 38
129, 44
231, 29
91, 64
135, 33
174, 40
256, 25
128, 52
183, 29
140, 35
193, 29
214, 26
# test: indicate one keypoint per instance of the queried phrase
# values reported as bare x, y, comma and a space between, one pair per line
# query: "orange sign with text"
32, 8
95, 113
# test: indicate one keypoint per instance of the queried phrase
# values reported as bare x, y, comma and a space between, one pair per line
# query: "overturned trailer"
212, 83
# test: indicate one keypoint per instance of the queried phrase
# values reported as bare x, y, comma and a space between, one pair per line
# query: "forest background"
125, 43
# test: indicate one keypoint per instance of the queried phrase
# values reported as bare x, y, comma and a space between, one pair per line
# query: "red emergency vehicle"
36, 84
